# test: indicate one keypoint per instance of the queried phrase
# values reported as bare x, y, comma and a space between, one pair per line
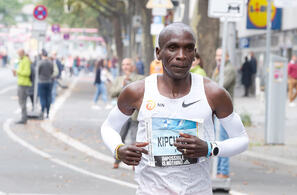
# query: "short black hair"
173, 27
44, 52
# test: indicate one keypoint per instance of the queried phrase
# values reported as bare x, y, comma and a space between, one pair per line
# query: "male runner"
175, 94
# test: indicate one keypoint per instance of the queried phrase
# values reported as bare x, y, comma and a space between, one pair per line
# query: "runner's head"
176, 50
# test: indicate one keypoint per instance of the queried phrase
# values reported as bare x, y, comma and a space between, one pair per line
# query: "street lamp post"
268, 46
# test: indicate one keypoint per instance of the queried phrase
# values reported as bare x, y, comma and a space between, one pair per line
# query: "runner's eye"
172, 47
190, 48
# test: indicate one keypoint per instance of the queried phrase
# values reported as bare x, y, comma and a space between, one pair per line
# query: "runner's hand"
131, 154
191, 146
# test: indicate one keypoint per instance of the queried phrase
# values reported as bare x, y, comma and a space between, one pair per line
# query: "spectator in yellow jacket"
197, 65
23, 73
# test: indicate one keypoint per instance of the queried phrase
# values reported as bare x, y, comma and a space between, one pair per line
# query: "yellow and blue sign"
257, 15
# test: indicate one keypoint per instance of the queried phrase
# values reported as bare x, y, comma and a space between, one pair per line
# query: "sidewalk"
281, 154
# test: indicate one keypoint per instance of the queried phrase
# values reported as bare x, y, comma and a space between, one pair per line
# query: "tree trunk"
147, 39
117, 31
207, 37
105, 29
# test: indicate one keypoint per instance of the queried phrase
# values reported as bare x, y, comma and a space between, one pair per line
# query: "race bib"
162, 133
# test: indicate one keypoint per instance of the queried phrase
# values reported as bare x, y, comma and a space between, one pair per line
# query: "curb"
274, 159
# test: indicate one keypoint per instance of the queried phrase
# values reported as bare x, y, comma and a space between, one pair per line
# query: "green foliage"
9, 10
246, 119
77, 14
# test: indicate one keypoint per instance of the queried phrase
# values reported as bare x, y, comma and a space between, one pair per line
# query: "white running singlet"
183, 179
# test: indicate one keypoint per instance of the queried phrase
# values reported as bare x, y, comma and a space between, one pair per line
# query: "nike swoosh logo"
189, 104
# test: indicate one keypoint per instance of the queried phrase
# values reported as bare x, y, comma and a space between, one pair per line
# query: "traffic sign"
257, 15
156, 28
40, 12
56, 28
225, 8
157, 20
39, 26
285, 3
159, 4
66, 36
136, 21
157, 11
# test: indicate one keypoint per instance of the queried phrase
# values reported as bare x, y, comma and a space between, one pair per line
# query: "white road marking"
7, 89
47, 126
231, 192
14, 137
17, 111
2, 193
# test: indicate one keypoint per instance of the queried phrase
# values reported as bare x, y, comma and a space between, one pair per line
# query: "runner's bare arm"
221, 104
131, 97
129, 100
218, 99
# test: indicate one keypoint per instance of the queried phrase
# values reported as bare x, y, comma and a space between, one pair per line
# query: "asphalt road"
65, 155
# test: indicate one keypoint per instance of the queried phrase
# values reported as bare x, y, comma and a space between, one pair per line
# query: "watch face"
215, 151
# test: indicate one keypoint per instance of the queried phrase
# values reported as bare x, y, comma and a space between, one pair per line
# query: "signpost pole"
36, 80
39, 28
268, 45
228, 11
224, 41
221, 83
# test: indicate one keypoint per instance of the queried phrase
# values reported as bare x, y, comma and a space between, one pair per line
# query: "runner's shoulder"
132, 94
135, 89
214, 93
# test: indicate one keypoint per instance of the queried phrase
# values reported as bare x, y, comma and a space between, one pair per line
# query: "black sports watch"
214, 149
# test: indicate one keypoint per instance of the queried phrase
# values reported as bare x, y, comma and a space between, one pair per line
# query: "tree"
112, 18
147, 39
79, 16
207, 37
8, 11
114, 11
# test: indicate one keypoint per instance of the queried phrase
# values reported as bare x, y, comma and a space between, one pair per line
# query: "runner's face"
177, 53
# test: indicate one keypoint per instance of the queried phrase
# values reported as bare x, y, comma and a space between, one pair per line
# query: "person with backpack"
45, 72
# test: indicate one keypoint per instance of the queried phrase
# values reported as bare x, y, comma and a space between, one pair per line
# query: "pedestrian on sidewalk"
4, 59
114, 66
101, 77
175, 96
229, 84
197, 65
254, 65
246, 76
139, 66
129, 76
23, 73
156, 67
292, 80
58, 68
45, 82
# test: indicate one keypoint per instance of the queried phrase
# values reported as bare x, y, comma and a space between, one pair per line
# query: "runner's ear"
158, 50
